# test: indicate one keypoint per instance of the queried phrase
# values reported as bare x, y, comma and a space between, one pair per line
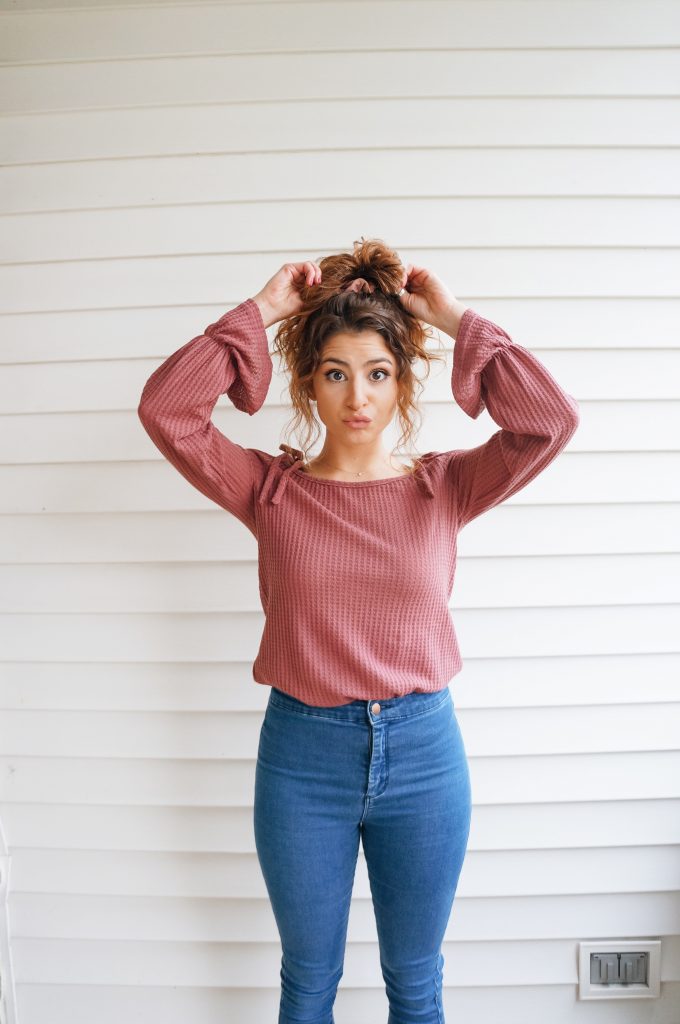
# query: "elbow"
143, 412
572, 417
568, 424
147, 417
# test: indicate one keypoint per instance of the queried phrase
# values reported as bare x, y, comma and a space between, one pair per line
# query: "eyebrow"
369, 362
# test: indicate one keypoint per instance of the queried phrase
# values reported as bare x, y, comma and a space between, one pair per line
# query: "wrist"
267, 312
450, 321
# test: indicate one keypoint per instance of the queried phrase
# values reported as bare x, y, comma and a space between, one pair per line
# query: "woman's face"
356, 377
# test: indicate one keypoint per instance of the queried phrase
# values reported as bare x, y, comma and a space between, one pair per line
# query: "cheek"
327, 398
390, 397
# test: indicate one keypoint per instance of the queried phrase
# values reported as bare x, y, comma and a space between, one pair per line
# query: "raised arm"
536, 416
231, 357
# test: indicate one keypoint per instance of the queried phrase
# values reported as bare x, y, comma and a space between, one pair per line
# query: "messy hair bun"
334, 306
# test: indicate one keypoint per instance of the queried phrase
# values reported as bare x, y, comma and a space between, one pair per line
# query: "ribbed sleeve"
536, 416
231, 357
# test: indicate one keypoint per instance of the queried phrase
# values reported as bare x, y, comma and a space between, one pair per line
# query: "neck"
352, 466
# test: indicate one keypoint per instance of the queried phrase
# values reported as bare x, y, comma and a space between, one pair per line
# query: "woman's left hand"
427, 297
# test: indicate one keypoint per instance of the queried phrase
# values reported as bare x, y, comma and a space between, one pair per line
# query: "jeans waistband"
362, 710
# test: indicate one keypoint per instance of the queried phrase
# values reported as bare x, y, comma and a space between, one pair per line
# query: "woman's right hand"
280, 297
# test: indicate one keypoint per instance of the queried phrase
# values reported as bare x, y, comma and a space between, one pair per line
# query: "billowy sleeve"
536, 416
231, 357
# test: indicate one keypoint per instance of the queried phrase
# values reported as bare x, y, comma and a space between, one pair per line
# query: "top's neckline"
352, 483
294, 462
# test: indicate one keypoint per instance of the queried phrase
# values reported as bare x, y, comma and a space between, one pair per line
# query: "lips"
357, 421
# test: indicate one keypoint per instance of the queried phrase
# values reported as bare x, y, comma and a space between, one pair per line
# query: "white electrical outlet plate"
590, 990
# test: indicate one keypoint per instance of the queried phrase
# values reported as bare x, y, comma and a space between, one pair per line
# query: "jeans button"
375, 709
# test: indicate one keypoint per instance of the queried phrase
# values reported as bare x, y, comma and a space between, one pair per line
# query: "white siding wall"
161, 163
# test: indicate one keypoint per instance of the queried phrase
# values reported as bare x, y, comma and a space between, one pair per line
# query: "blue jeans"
394, 774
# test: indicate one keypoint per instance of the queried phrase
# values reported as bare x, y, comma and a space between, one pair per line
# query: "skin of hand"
426, 296
280, 297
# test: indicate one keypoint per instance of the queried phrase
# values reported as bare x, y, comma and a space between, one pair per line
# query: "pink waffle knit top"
355, 578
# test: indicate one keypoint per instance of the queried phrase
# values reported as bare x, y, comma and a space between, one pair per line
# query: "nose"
356, 400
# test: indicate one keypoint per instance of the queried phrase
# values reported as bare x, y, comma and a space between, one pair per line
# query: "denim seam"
440, 1015
418, 714
345, 721
313, 714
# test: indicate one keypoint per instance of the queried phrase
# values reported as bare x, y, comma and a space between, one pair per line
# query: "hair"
328, 309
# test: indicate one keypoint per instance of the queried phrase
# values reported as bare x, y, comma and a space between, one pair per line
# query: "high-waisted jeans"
394, 774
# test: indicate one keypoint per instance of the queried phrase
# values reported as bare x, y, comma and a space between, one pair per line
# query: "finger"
296, 269
412, 271
417, 271
312, 272
300, 270
417, 276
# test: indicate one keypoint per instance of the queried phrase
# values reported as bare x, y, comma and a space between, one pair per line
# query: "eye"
378, 370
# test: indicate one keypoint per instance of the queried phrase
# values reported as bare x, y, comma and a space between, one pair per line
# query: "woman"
356, 559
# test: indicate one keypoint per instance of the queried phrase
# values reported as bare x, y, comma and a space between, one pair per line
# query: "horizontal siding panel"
488, 731
495, 827
91, 487
253, 77
80, 1004
36, 438
40, 6
216, 964
614, 425
71, 893
214, 535
613, 580
158, 487
211, 636
318, 175
462, 23
201, 229
576, 324
93, 284
69, 388
215, 686
345, 124
213, 963
215, 922
561, 779
196, 963
607, 426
